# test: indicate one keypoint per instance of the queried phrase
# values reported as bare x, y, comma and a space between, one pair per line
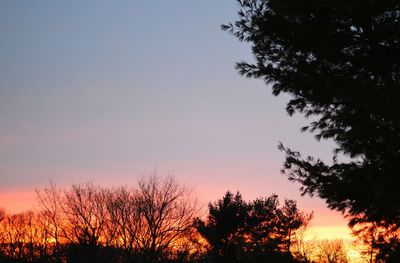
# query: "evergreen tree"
257, 231
224, 229
339, 61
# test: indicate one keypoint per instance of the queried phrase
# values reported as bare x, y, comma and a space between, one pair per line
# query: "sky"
109, 91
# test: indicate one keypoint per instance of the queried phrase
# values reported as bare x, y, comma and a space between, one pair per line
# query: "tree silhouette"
51, 219
153, 222
257, 231
225, 227
85, 223
339, 61
265, 225
166, 211
22, 238
124, 220
331, 251
303, 250
291, 219
381, 244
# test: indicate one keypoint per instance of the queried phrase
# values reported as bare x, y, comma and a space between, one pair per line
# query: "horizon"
105, 93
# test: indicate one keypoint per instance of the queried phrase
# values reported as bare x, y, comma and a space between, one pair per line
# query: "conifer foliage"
339, 62
256, 231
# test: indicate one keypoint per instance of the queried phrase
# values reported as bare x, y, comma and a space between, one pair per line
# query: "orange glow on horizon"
18, 200
323, 227
329, 233
335, 232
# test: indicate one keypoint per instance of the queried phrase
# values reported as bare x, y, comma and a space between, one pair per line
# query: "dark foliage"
153, 223
258, 231
339, 61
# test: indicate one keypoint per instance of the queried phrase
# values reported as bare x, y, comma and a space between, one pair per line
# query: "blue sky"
107, 91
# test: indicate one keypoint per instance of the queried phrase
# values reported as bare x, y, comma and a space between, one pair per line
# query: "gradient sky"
107, 91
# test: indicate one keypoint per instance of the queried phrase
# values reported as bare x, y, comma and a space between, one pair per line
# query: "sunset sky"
109, 91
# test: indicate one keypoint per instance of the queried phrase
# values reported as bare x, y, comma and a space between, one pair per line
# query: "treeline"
257, 231
158, 221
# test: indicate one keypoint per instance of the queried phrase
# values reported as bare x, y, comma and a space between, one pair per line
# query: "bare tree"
84, 220
166, 212
21, 237
331, 251
303, 250
51, 212
124, 219
14, 237
85, 211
